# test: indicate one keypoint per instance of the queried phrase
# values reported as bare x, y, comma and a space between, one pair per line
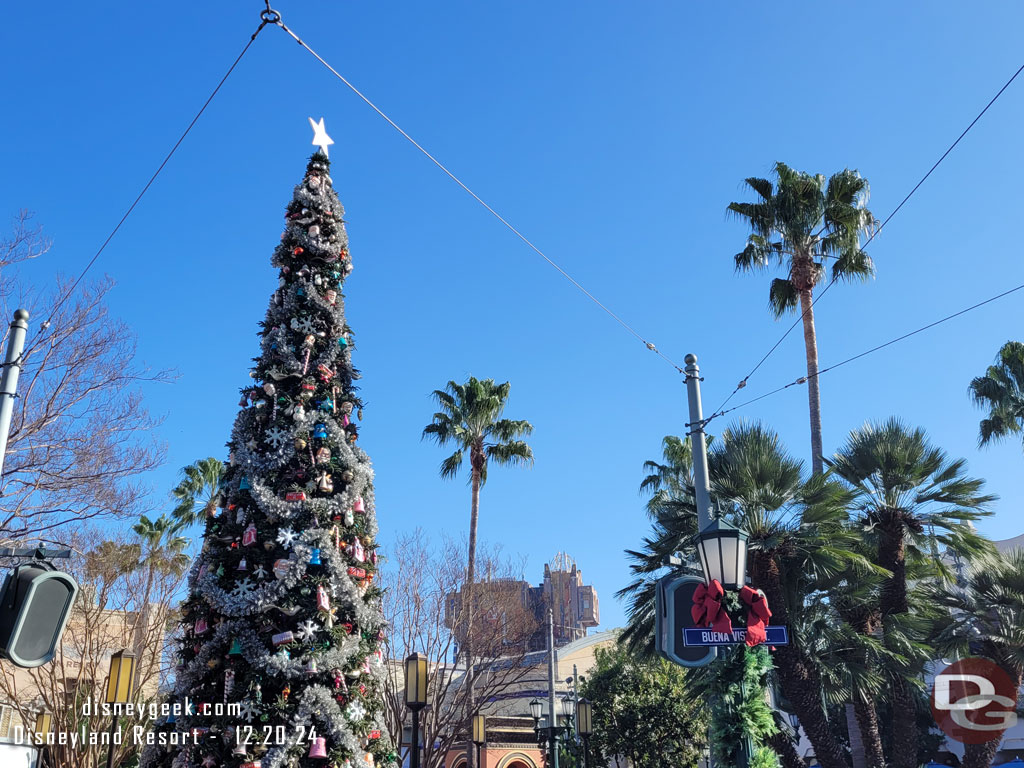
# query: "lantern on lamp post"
416, 698
119, 689
479, 735
585, 727
723, 553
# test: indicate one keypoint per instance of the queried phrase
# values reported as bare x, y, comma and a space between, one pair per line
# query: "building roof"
1004, 545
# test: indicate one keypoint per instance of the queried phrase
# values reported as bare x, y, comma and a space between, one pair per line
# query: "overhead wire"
822, 371
529, 243
70, 291
743, 382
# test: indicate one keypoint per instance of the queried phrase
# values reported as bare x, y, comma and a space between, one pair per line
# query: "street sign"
704, 638
673, 600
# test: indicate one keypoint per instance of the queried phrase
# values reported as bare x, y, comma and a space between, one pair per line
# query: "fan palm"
798, 223
796, 537
986, 618
198, 493
1001, 390
909, 497
469, 418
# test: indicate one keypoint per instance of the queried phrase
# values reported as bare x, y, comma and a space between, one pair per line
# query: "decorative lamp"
584, 713
44, 722
479, 729
416, 681
536, 709
723, 553
122, 674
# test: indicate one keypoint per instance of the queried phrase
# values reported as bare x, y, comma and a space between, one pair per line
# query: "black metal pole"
478, 763
415, 739
586, 751
110, 752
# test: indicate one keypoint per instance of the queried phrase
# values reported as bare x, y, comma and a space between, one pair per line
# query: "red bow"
707, 608
757, 615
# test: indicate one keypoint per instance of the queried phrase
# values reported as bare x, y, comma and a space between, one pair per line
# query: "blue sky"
614, 135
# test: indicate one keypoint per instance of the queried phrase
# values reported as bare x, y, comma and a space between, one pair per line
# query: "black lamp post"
416, 698
723, 557
479, 735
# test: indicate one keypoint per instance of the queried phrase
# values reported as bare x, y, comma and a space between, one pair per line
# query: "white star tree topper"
320, 137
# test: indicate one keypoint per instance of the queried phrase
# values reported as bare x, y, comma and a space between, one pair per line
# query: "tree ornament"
283, 638
260, 572
318, 749
311, 666
314, 557
243, 589
201, 627
281, 568
325, 484
236, 648
286, 691
243, 484
229, 682
355, 711
275, 436
249, 535
323, 455
308, 343
300, 443
307, 630
269, 388
324, 373
332, 297
350, 517
286, 538
323, 603
320, 431
242, 566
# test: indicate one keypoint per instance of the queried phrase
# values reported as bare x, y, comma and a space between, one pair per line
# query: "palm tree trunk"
982, 755
893, 601
858, 758
474, 517
866, 727
141, 621
798, 677
813, 392
788, 756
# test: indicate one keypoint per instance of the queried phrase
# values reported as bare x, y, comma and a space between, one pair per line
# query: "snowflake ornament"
307, 630
303, 326
243, 588
247, 710
276, 437
355, 711
286, 537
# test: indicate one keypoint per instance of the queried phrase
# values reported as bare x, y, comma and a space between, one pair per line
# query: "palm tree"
161, 550
469, 417
1001, 390
797, 537
198, 493
986, 618
909, 498
797, 224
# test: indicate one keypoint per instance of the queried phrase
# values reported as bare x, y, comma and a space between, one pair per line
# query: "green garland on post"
740, 709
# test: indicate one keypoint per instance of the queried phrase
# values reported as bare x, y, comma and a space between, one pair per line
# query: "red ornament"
295, 496
359, 573
298, 251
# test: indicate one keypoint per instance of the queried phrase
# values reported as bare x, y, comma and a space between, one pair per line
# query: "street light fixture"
536, 710
479, 735
119, 689
723, 553
416, 698
585, 727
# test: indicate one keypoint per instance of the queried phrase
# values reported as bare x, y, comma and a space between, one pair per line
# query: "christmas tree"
279, 659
